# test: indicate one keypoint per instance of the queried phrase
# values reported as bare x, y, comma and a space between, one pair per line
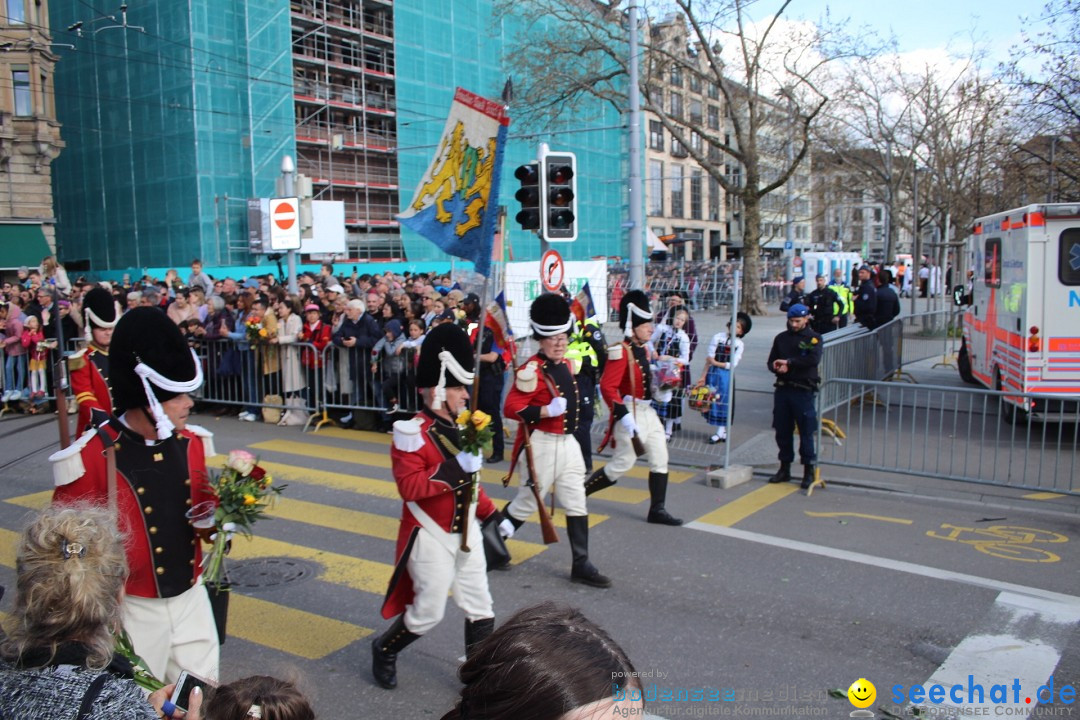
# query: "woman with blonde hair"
58, 654
53, 273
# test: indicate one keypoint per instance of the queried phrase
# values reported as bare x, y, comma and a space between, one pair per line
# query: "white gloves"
628, 400
506, 528
627, 421
470, 463
556, 407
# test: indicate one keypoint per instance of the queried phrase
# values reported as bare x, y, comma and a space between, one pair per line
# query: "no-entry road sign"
284, 224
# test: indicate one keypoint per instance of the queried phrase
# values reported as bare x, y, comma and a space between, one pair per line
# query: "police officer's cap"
797, 280
798, 310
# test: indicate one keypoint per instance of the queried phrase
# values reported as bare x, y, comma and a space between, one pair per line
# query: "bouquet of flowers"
254, 329
244, 491
475, 431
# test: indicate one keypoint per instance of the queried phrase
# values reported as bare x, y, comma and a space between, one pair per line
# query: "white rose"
241, 461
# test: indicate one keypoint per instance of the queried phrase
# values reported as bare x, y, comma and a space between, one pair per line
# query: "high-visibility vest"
843, 294
581, 350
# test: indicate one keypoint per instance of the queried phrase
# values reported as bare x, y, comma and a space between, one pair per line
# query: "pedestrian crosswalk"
340, 515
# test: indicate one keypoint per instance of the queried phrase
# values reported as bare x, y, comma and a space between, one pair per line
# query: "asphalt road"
770, 597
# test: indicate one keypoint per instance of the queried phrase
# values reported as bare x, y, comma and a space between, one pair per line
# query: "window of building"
656, 187
46, 105
676, 76
695, 194
714, 154
678, 149
676, 106
856, 215
713, 91
695, 83
16, 12
695, 141
695, 112
656, 135
656, 95
714, 117
20, 80
678, 197
714, 199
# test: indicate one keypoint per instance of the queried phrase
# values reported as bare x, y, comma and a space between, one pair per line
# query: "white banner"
523, 286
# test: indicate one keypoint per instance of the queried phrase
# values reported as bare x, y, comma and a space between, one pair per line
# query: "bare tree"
767, 74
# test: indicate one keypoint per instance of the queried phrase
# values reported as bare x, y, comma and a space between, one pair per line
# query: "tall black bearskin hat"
744, 319
150, 363
550, 315
633, 311
100, 310
446, 360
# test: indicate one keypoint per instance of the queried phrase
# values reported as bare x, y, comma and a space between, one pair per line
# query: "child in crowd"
410, 352
723, 356
388, 364
33, 339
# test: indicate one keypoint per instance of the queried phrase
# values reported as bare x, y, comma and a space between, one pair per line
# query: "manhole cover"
269, 572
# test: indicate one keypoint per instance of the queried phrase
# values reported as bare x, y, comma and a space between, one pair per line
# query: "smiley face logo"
862, 693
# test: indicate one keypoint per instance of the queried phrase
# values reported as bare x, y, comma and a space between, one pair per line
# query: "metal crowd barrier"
257, 376
956, 434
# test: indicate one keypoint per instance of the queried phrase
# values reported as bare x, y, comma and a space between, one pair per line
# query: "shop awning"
22, 244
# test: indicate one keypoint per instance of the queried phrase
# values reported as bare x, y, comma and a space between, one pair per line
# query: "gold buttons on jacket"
161, 571
158, 550
153, 530
141, 490
148, 509
188, 482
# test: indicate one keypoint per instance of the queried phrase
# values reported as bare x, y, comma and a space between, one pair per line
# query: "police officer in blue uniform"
794, 360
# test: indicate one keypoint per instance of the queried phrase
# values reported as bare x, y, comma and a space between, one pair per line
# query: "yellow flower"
481, 419
813, 341
262, 332
249, 499
463, 418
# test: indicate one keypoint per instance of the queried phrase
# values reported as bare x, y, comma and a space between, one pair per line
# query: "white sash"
433, 528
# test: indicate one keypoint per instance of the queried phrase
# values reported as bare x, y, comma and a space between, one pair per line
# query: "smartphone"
184, 685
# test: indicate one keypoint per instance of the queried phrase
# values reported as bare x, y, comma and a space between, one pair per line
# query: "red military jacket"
90, 383
156, 484
626, 372
536, 384
427, 473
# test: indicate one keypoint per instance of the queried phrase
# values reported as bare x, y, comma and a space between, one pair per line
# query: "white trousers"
651, 432
436, 571
558, 462
174, 634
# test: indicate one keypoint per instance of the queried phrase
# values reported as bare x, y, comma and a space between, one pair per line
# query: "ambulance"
1022, 317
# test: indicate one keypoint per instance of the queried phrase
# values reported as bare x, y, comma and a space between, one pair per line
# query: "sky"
922, 25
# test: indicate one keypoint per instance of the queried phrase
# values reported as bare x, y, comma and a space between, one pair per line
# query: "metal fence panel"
955, 434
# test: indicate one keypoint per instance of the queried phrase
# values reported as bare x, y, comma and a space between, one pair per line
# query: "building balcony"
308, 56
341, 96
347, 174
345, 138
375, 25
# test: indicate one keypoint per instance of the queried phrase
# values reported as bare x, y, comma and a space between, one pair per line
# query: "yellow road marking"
9, 541
489, 476
1042, 496
370, 524
293, 631
638, 471
346, 570
33, 501
882, 518
736, 510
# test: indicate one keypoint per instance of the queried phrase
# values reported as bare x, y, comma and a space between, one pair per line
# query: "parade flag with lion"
456, 203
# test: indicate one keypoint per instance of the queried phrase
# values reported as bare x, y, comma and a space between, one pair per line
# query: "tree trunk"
752, 302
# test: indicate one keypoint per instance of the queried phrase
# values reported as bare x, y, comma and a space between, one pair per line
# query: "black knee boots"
783, 474
476, 631
657, 495
597, 482
808, 476
384, 652
583, 571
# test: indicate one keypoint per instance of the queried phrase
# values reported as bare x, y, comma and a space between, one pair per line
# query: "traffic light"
528, 196
560, 198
